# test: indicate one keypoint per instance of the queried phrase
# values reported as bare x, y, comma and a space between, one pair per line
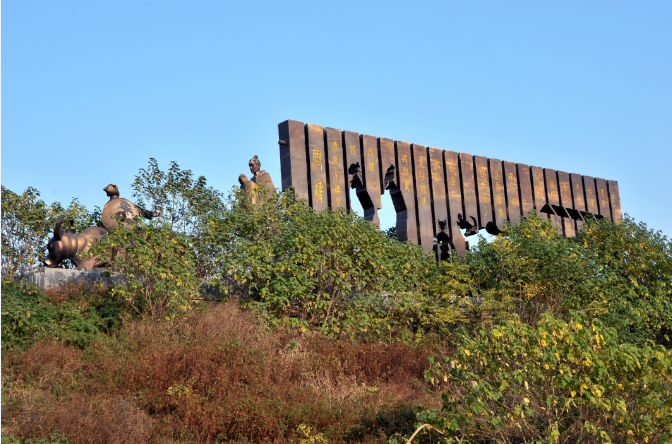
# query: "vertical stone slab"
552, 196
566, 201
578, 195
338, 188
512, 192
497, 181
539, 190
525, 185
423, 197
485, 214
603, 197
615, 199
372, 177
318, 169
454, 190
407, 221
293, 161
438, 186
592, 203
353, 156
387, 158
470, 207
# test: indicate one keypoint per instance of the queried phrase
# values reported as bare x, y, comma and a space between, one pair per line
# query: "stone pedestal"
55, 278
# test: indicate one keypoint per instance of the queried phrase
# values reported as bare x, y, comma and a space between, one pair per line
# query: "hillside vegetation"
325, 329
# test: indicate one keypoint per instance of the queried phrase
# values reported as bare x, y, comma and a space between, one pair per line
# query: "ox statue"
72, 245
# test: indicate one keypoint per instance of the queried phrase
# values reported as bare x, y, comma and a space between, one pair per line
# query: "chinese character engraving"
317, 156
319, 188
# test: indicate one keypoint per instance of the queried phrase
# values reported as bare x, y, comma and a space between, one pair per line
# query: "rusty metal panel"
603, 197
498, 194
318, 169
438, 185
552, 195
470, 216
454, 189
615, 199
407, 223
565, 188
293, 161
591, 195
338, 188
512, 192
423, 197
578, 196
525, 185
539, 190
484, 196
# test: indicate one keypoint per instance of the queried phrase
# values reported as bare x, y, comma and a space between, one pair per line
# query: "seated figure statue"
259, 177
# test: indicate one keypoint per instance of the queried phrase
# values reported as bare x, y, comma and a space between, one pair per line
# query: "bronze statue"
73, 246
259, 177
123, 208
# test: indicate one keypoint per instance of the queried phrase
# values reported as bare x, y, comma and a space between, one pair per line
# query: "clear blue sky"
92, 89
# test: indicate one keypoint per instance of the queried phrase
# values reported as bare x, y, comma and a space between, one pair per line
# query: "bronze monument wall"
434, 190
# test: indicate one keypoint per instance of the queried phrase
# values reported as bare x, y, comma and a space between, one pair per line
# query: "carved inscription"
578, 195
591, 195
453, 186
565, 191
407, 223
552, 195
615, 198
482, 174
603, 198
438, 183
423, 197
512, 192
338, 188
318, 170
525, 184
497, 181
539, 190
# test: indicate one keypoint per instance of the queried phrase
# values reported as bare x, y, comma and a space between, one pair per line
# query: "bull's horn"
58, 230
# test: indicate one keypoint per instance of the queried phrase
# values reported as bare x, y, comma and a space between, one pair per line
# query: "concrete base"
54, 278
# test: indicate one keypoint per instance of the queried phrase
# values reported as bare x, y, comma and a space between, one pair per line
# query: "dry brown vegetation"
213, 375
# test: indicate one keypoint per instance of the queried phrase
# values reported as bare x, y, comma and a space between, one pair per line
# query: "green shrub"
555, 381
330, 269
157, 264
621, 273
29, 315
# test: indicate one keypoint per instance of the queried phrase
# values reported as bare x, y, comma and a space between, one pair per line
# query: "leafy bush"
26, 225
555, 381
330, 269
157, 264
187, 206
621, 273
29, 315
635, 269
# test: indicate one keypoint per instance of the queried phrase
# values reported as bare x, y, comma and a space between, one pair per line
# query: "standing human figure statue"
259, 177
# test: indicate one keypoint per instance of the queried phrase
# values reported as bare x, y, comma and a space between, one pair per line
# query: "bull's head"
58, 250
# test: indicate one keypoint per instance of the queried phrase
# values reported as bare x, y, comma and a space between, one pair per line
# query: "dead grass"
213, 375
